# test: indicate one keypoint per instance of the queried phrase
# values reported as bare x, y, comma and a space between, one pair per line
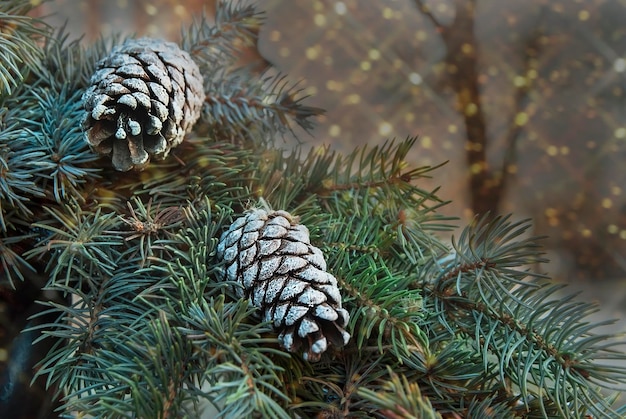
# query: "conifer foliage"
143, 320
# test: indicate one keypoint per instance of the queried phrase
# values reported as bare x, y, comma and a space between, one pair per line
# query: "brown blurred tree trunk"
486, 187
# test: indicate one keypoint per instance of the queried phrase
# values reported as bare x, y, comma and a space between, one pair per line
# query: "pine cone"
144, 97
271, 257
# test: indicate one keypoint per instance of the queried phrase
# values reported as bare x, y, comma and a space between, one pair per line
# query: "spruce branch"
18, 169
236, 104
244, 382
146, 225
399, 398
541, 345
236, 25
383, 309
53, 126
14, 265
19, 37
78, 247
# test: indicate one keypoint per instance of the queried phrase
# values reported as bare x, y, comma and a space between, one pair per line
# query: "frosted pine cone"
144, 97
270, 255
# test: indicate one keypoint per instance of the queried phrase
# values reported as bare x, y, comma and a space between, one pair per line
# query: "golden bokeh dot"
586, 232
334, 85
180, 11
612, 229
151, 9
284, 52
365, 65
467, 49
353, 98
616, 190
477, 168
426, 142
312, 53
564, 150
334, 130
471, 109
622, 234
275, 36
620, 133
384, 128
552, 150
473, 146
319, 19
373, 54
452, 129
511, 169
551, 212
122, 4
607, 203
387, 13
583, 15
521, 119
519, 81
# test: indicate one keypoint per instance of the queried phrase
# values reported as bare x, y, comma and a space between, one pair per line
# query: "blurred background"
524, 99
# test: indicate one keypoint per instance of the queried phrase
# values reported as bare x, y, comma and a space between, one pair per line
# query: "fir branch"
205, 169
18, 169
398, 399
67, 64
381, 166
244, 380
14, 266
78, 248
381, 306
146, 225
53, 127
537, 340
238, 104
19, 35
236, 24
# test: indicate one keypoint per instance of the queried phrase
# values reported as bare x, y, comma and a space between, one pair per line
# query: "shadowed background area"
524, 99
